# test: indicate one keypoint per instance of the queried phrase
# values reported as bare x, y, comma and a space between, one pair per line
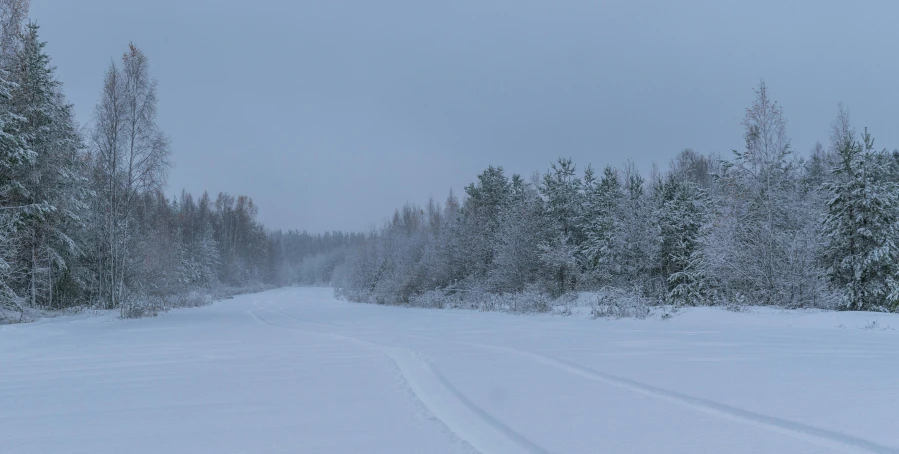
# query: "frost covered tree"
15, 160
817, 168
761, 172
10, 301
132, 158
760, 243
562, 193
861, 255
602, 218
633, 243
680, 214
393, 266
197, 247
55, 184
13, 14
42, 185
522, 229
480, 221
446, 261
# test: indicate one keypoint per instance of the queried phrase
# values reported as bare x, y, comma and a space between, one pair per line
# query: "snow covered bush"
139, 306
620, 303
530, 300
433, 299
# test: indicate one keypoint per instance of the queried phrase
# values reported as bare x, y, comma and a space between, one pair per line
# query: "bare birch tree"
132, 157
12, 21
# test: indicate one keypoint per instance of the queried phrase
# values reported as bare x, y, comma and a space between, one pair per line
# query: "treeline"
183, 245
83, 217
763, 227
312, 260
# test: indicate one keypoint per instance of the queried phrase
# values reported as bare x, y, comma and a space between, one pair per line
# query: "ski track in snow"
462, 417
810, 434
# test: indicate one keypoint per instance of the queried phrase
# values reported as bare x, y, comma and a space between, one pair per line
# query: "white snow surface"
297, 371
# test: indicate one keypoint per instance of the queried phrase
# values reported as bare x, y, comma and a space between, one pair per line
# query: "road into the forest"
296, 371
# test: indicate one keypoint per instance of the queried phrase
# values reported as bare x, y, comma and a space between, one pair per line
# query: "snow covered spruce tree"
15, 158
618, 248
680, 214
479, 225
861, 255
445, 265
43, 189
523, 228
561, 190
197, 247
54, 183
601, 219
634, 244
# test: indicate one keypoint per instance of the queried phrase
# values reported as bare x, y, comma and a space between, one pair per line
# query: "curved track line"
464, 418
811, 434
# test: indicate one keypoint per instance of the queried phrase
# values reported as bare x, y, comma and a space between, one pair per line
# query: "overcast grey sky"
332, 113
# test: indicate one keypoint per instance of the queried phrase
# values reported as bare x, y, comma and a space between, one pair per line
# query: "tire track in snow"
820, 437
810, 434
463, 417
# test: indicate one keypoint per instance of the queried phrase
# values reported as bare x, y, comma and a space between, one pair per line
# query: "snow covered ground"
294, 370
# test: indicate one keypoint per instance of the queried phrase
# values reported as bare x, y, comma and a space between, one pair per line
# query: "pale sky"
332, 113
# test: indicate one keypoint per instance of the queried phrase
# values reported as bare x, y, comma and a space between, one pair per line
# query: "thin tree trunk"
33, 271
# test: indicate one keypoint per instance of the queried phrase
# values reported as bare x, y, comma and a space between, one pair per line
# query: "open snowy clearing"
294, 370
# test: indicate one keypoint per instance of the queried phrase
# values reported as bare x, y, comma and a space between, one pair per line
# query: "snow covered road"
293, 370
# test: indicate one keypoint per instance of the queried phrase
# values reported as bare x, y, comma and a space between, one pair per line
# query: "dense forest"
84, 219
764, 226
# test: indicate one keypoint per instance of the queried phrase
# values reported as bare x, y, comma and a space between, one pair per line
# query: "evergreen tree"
602, 221
633, 243
680, 214
522, 229
860, 228
563, 197
15, 159
480, 221
55, 184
